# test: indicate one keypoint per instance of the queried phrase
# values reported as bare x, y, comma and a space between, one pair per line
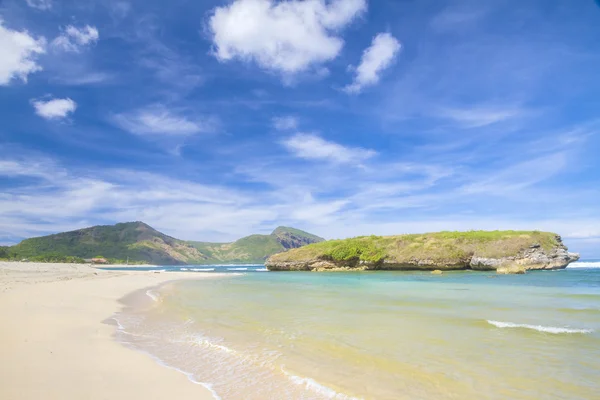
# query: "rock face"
504, 251
513, 269
534, 257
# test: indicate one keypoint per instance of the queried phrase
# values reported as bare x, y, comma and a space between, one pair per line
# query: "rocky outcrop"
512, 269
534, 257
506, 252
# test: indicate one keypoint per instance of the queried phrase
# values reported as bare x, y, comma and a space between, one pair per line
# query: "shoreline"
55, 342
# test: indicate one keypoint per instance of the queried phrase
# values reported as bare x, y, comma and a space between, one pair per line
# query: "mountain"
140, 242
255, 248
504, 251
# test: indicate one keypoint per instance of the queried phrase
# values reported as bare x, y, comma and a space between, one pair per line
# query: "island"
501, 251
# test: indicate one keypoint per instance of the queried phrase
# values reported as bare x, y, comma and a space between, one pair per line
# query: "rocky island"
503, 251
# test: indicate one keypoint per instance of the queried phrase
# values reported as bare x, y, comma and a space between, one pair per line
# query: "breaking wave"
585, 264
546, 329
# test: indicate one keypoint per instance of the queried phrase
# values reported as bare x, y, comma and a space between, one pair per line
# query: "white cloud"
74, 39
476, 117
18, 53
287, 37
313, 147
40, 4
285, 123
158, 120
55, 108
375, 59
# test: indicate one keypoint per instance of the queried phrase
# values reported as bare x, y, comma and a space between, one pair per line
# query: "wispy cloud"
40, 4
478, 116
312, 147
375, 59
285, 123
159, 120
74, 39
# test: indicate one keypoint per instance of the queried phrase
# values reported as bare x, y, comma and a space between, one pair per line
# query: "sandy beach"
54, 344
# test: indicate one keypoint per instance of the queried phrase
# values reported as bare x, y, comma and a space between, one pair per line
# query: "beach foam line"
202, 269
189, 375
316, 387
237, 269
584, 264
546, 329
261, 270
153, 295
183, 269
207, 343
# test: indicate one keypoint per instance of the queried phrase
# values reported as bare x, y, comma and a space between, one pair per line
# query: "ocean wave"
316, 387
202, 269
183, 269
236, 265
261, 270
585, 264
539, 328
237, 269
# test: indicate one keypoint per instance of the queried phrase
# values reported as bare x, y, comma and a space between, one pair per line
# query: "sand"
54, 344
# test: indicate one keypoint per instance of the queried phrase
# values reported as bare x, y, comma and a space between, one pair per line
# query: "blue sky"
210, 120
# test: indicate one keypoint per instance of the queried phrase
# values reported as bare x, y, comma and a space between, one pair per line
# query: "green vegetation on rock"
441, 250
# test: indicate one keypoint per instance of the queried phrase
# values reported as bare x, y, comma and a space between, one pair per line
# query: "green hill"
139, 242
256, 248
484, 250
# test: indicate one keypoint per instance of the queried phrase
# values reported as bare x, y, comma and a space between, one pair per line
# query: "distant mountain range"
140, 242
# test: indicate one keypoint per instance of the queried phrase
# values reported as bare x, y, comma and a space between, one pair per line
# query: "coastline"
55, 344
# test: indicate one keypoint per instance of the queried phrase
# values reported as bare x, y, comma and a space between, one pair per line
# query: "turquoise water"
378, 335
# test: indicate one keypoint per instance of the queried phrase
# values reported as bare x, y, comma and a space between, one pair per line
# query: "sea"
256, 335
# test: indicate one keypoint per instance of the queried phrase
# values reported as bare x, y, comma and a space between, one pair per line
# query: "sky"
211, 120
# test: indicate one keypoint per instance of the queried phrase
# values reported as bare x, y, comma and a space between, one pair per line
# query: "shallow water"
378, 335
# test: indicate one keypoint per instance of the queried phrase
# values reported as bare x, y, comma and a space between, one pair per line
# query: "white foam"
189, 375
120, 327
153, 295
207, 343
316, 387
539, 328
207, 386
585, 264
202, 269
237, 269
183, 269
261, 270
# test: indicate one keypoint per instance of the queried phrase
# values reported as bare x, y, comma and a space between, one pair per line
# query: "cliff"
506, 251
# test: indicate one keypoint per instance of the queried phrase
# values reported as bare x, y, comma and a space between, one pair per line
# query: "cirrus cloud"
313, 147
74, 39
159, 120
